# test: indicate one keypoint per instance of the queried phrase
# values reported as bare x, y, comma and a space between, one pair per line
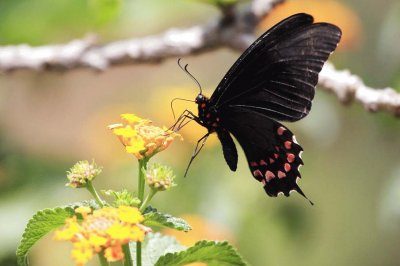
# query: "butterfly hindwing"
277, 75
271, 149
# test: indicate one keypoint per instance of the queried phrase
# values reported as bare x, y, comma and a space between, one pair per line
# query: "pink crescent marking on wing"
257, 173
288, 145
281, 174
269, 175
287, 167
281, 130
290, 157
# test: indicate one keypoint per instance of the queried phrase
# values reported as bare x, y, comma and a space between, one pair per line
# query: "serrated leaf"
154, 218
154, 246
210, 252
43, 222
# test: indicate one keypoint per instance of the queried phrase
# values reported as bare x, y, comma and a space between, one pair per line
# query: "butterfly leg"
199, 146
181, 121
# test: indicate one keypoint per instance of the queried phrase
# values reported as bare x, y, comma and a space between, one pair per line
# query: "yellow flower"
141, 138
131, 118
130, 215
81, 256
84, 210
106, 229
136, 147
70, 230
113, 253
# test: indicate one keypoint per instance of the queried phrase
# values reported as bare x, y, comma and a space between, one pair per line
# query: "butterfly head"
200, 99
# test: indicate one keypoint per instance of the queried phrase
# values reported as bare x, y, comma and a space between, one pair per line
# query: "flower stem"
92, 190
147, 199
102, 259
141, 184
138, 254
127, 255
142, 181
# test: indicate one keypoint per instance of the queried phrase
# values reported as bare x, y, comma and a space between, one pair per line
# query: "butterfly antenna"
172, 105
189, 74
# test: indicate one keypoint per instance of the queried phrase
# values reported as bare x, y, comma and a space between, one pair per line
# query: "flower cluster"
104, 230
141, 138
160, 177
82, 173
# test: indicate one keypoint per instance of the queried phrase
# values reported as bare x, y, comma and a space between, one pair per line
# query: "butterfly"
273, 80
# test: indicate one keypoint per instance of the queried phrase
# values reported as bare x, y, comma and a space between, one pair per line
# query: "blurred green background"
50, 120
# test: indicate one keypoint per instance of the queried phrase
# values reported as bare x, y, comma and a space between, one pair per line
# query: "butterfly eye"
199, 98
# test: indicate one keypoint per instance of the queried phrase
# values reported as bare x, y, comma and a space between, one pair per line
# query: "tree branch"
350, 88
233, 29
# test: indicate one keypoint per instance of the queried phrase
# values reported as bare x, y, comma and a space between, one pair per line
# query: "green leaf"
154, 246
104, 11
210, 252
155, 218
43, 222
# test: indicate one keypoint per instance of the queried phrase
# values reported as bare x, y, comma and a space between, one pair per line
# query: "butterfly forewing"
277, 75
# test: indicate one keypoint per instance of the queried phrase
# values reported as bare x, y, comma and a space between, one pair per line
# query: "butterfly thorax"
208, 116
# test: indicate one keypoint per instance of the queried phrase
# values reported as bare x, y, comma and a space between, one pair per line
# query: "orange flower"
141, 138
106, 229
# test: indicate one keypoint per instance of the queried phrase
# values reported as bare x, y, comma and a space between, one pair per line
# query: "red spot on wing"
203, 105
288, 145
269, 175
262, 162
290, 157
257, 173
253, 164
281, 174
271, 160
287, 167
281, 130
276, 155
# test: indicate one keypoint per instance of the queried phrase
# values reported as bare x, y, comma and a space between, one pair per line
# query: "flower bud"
82, 173
160, 177
123, 198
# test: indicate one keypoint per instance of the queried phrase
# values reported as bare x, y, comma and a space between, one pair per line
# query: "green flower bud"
123, 198
160, 177
82, 173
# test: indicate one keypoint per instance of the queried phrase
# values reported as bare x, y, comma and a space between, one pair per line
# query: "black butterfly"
273, 80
